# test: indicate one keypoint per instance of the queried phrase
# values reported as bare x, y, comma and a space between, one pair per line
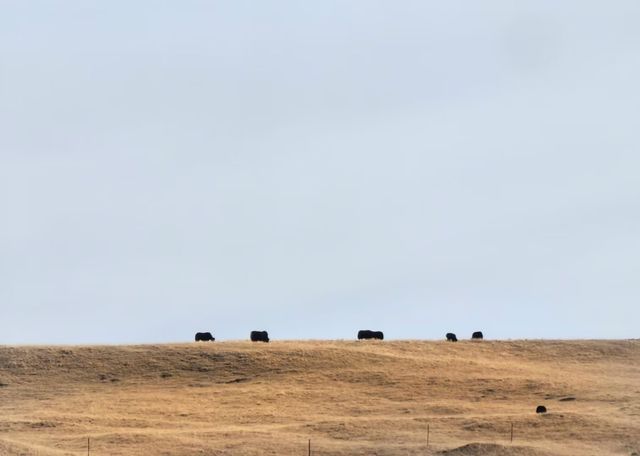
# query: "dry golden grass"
349, 398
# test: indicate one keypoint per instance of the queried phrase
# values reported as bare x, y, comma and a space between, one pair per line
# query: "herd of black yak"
263, 336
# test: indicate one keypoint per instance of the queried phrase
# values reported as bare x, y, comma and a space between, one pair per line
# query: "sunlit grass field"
347, 397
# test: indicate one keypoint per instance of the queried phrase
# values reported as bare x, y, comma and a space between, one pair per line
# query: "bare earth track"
349, 398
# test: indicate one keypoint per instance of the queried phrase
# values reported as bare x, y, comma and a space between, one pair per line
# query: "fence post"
427, 436
511, 432
309, 447
88, 445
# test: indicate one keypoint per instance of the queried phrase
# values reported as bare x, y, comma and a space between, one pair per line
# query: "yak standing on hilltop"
204, 337
368, 334
259, 336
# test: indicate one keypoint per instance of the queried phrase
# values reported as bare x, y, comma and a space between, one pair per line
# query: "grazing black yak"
451, 337
477, 335
541, 409
204, 337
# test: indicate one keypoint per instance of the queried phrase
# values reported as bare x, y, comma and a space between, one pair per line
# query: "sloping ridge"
492, 449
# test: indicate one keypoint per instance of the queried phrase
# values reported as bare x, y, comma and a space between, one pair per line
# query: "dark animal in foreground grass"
204, 337
451, 337
541, 409
368, 334
259, 336
477, 335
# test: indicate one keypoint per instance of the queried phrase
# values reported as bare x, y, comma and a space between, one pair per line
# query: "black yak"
368, 334
259, 336
204, 337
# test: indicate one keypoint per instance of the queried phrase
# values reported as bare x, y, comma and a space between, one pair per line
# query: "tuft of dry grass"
349, 398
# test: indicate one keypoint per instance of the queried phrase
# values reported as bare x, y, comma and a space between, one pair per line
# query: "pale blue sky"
314, 168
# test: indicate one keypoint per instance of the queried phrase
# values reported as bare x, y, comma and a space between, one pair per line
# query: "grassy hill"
349, 398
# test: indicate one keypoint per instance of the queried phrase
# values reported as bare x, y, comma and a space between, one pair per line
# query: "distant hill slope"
349, 398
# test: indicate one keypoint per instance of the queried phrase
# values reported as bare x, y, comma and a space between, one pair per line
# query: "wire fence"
316, 448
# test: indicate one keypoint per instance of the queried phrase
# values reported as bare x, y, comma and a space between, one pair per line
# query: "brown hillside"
349, 398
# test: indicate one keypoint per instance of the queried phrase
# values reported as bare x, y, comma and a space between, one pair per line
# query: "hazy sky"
315, 168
